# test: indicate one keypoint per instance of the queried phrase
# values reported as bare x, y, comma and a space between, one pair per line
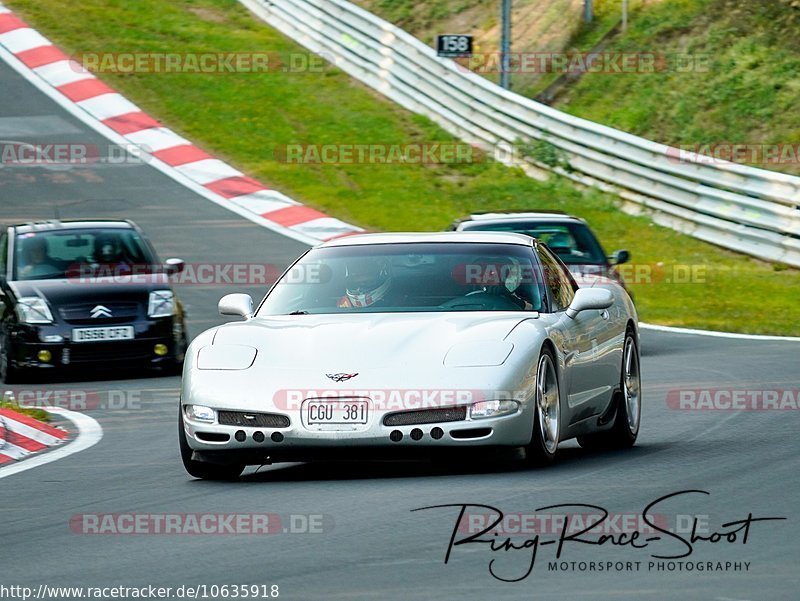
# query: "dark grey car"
569, 237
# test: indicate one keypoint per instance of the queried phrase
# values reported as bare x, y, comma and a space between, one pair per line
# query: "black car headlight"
161, 304
33, 310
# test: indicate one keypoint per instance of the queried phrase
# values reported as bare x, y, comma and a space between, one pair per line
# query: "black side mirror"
174, 266
618, 257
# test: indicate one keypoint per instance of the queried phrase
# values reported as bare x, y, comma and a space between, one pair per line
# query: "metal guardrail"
750, 210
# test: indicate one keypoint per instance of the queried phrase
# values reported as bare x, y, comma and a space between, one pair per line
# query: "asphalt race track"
372, 545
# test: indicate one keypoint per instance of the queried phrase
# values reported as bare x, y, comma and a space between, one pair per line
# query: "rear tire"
201, 469
542, 449
628, 401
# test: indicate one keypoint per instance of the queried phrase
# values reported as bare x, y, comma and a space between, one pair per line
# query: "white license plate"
102, 334
343, 413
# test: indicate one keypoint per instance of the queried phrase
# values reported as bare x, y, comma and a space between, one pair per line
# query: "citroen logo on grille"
100, 311
341, 377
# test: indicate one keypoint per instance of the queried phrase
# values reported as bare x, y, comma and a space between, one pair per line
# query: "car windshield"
573, 242
411, 277
56, 254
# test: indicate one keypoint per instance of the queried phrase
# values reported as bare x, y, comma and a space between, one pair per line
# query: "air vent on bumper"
426, 416
254, 420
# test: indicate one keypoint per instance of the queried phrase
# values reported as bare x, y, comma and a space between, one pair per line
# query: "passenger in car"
36, 259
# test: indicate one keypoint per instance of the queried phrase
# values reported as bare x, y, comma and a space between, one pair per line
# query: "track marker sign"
453, 45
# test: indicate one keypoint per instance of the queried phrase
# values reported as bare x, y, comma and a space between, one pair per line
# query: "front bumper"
218, 443
27, 342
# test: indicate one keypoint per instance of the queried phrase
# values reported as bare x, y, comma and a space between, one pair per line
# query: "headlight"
486, 409
33, 309
200, 413
161, 304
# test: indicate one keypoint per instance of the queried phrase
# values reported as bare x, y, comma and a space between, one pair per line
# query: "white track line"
89, 434
712, 333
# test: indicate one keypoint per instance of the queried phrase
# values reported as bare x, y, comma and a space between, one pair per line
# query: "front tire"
9, 373
542, 449
625, 430
201, 469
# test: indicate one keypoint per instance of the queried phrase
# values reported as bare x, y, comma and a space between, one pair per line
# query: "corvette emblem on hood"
341, 377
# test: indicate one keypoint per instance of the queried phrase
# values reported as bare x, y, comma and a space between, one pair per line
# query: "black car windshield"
572, 241
56, 254
410, 277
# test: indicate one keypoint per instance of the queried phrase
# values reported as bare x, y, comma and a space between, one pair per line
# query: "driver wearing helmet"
367, 281
107, 249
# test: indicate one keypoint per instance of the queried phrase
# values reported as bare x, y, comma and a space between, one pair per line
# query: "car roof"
422, 237
514, 216
71, 224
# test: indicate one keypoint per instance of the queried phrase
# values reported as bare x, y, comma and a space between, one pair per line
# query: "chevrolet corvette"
413, 345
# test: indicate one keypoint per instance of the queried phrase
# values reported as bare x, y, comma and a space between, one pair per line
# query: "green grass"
39, 414
745, 92
243, 117
413, 16
748, 94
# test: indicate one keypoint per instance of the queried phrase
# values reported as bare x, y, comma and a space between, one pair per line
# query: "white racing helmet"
367, 280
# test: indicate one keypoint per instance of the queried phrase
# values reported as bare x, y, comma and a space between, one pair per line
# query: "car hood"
346, 343
62, 292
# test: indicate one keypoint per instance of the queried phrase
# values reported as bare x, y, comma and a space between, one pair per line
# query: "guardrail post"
505, 45
624, 15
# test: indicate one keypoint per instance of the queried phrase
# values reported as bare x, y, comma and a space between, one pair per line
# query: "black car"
86, 293
568, 237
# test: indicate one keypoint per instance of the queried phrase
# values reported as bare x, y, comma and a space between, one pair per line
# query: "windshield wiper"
298, 312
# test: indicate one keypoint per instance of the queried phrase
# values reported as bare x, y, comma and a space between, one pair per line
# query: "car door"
585, 340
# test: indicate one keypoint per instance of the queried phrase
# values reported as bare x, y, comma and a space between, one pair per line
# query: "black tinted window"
572, 241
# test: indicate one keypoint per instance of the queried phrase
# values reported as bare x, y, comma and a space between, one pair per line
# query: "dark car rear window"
573, 242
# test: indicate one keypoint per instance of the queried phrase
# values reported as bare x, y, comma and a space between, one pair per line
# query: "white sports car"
413, 344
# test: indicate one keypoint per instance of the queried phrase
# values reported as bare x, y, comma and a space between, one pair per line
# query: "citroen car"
86, 294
